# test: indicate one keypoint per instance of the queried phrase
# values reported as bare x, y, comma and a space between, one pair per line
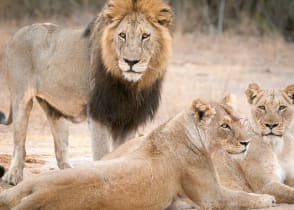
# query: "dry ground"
202, 65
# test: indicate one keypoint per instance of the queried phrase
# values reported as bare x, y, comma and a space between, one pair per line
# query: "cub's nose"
271, 125
131, 62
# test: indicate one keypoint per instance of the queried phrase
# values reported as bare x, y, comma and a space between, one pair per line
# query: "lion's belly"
62, 72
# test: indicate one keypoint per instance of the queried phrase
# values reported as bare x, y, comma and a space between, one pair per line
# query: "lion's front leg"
282, 192
203, 188
101, 139
231, 199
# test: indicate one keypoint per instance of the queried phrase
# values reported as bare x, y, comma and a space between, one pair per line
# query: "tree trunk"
221, 13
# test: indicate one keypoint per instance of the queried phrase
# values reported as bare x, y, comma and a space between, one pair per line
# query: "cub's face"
272, 111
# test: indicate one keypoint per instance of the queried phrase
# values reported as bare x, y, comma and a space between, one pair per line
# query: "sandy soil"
202, 65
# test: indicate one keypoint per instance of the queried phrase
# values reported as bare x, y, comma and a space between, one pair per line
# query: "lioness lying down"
269, 165
172, 160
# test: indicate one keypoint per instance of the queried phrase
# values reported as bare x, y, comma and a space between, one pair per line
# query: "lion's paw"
13, 176
64, 165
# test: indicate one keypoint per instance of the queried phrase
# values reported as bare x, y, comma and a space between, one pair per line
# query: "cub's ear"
252, 91
229, 100
203, 112
289, 90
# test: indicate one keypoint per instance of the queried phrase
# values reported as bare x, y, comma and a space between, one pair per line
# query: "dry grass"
202, 66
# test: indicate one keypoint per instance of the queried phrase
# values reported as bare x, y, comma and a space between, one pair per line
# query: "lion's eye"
122, 35
225, 126
282, 108
145, 36
261, 108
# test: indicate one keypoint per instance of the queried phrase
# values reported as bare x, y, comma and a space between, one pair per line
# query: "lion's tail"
4, 120
2, 171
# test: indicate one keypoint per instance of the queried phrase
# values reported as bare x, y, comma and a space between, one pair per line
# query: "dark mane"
115, 102
119, 105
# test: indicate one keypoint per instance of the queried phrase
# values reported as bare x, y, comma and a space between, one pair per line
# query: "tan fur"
58, 66
158, 19
172, 160
223, 147
269, 165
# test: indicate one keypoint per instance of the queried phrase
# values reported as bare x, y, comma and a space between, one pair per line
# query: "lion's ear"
115, 10
229, 100
108, 11
252, 91
165, 17
203, 111
289, 90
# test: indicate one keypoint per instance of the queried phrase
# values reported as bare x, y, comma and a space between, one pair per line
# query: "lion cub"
172, 160
269, 164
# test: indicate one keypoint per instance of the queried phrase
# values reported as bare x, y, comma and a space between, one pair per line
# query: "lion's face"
136, 42
225, 129
230, 134
272, 111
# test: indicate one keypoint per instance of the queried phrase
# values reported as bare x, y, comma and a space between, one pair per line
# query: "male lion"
172, 160
269, 164
111, 71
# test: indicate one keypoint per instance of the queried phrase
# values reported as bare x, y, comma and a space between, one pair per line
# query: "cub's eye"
225, 126
282, 108
145, 36
122, 35
261, 108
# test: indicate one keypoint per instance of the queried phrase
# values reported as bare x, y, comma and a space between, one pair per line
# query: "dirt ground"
202, 66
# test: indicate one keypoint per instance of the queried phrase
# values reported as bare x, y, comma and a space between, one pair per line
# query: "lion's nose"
271, 125
245, 143
131, 62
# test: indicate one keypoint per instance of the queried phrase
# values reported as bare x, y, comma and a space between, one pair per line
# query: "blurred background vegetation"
257, 17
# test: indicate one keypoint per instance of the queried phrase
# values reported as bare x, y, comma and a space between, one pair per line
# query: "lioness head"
225, 129
272, 110
136, 42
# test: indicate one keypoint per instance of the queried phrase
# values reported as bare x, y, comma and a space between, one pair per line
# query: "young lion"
172, 160
269, 165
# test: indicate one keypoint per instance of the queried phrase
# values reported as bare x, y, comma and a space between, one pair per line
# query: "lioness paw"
266, 201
